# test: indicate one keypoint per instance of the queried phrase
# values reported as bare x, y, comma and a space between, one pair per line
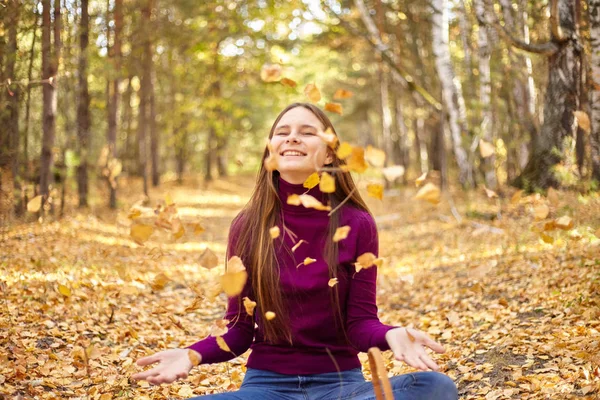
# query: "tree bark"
594, 10
83, 107
560, 102
451, 91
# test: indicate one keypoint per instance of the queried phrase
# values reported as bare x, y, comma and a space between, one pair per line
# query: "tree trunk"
49, 70
28, 100
594, 9
560, 102
83, 107
209, 155
386, 115
451, 91
154, 138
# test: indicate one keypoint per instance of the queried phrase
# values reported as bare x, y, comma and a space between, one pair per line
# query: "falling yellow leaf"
429, 192
308, 261
486, 149
565, 223
344, 151
312, 92
195, 304
34, 204
378, 262
490, 193
334, 108
341, 233
234, 279
208, 259
177, 228
375, 190
546, 238
298, 244
419, 181
294, 200
219, 327
356, 161
516, 198
393, 172
235, 264
249, 305
332, 282
270, 72
288, 82
274, 232
168, 200
307, 201
311, 181
159, 282
64, 290
541, 211
342, 94
552, 196
327, 183
140, 233
375, 156
222, 344
328, 137
269, 315
198, 229
365, 261
134, 213
583, 121
194, 357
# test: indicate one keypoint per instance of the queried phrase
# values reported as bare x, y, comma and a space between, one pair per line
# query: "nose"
292, 139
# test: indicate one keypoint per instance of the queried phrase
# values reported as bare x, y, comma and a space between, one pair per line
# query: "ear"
330, 156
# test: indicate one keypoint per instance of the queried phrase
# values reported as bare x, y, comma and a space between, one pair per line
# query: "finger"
145, 374
148, 360
432, 344
429, 362
415, 361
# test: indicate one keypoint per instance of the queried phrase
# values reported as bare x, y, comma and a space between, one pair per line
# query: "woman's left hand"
409, 344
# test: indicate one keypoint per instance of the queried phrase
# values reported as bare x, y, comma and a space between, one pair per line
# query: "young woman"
309, 350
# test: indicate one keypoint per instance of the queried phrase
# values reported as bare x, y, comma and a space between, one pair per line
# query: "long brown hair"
262, 212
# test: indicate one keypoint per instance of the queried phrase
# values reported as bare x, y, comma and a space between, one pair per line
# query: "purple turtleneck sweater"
307, 297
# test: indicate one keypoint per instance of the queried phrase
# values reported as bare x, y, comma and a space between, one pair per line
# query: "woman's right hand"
172, 365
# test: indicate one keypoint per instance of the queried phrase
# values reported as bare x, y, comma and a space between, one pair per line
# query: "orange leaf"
249, 305
327, 184
208, 259
328, 137
334, 107
34, 204
140, 233
342, 94
375, 190
270, 72
312, 92
288, 82
356, 161
344, 151
332, 282
274, 232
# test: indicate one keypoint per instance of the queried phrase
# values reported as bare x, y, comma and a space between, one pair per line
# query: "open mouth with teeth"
292, 153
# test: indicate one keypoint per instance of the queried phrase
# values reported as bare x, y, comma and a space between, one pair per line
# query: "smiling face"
301, 152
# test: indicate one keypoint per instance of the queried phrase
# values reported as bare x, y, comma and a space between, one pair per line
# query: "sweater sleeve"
240, 332
363, 326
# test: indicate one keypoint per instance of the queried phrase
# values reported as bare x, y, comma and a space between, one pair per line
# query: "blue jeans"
267, 385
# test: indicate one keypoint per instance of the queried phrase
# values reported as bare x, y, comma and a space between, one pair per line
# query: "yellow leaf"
552, 196
64, 290
311, 181
419, 181
198, 229
159, 281
140, 233
429, 192
249, 305
490, 193
312, 92
583, 120
541, 211
177, 228
375, 190
134, 213
298, 244
546, 238
194, 357
327, 183
309, 201
208, 259
219, 328
274, 232
222, 344
92, 352
344, 151
342, 94
378, 262
288, 82
394, 172
334, 108
375, 156
294, 200
235, 277
270, 72
516, 197
341, 233
565, 223
328, 137
308, 261
235, 264
269, 315
365, 261
486, 149
356, 161
332, 282
168, 200
34, 204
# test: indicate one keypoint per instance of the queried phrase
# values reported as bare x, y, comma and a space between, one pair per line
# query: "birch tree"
594, 10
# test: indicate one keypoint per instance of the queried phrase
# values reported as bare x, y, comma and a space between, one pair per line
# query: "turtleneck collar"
285, 189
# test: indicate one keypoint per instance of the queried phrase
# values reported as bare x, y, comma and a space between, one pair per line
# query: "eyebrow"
303, 126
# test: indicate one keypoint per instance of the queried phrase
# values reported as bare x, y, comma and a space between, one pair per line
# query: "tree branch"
557, 33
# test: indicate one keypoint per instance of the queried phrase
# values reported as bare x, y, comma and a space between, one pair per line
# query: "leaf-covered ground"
515, 300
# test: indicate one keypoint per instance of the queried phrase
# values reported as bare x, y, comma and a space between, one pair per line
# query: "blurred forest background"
485, 92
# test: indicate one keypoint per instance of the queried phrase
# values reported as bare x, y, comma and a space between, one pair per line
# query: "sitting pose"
315, 305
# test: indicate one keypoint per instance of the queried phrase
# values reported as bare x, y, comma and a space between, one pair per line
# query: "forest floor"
515, 302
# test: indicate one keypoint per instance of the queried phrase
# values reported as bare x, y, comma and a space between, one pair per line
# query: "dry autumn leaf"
393, 172
198, 229
552, 196
249, 305
274, 232
272, 160
364, 261
375, 190
311, 181
419, 181
565, 223
334, 108
541, 211
134, 213
490, 193
159, 282
234, 279
34, 204
516, 197
270, 72
208, 259
222, 344
177, 229
341, 94
583, 121
307, 201
312, 92
341, 233
219, 327
375, 157
298, 244
356, 162
141, 233
270, 315
486, 149
288, 82
344, 151
332, 282
429, 192
64, 290
327, 183
328, 137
